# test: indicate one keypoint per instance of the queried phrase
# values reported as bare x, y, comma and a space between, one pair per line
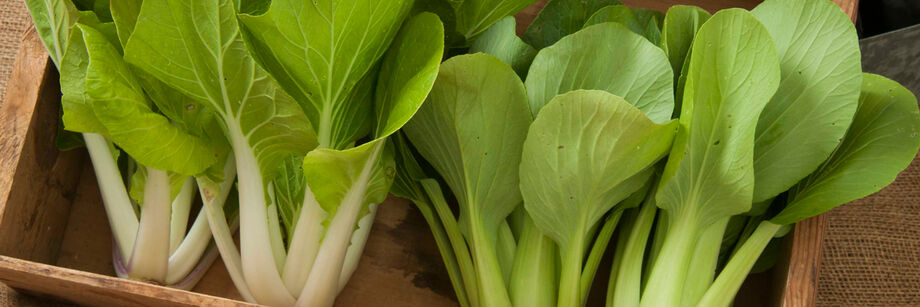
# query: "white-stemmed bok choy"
308, 184
147, 143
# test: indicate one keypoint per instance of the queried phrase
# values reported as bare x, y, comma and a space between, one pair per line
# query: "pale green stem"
505, 247
323, 283
447, 254
184, 259
723, 290
213, 195
658, 236
304, 243
181, 208
150, 256
356, 249
274, 231
703, 263
118, 207
665, 285
493, 292
597, 252
457, 240
533, 277
570, 275
258, 262
625, 287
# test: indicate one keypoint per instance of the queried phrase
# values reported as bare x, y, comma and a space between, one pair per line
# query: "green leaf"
202, 56
640, 21
289, 192
119, 103
471, 131
880, 143
445, 12
475, 16
583, 155
604, 57
124, 14
341, 176
328, 47
139, 180
817, 97
560, 18
407, 72
501, 42
734, 70
680, 26
78, 111
53, 20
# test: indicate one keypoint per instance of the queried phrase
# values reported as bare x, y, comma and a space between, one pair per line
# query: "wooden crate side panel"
37, 182
95, 289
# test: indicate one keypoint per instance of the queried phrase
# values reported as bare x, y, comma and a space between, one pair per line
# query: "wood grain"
36, 180
804, 263
97, 290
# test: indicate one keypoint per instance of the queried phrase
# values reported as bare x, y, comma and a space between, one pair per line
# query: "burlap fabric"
871, 257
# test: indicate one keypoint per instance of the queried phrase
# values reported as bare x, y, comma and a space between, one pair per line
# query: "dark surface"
882, 16
895, 55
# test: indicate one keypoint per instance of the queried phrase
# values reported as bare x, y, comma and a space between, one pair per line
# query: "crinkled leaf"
319, 51
501, 41
560, 18
880, 143
819, 89
119, 104
475, 16
195, 48
471, 129
582, 156
53, 20
733, 72
78, 113
604, 57
407, 72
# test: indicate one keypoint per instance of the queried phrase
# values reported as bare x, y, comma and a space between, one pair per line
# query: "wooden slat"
36, 180
98, 290
804, 263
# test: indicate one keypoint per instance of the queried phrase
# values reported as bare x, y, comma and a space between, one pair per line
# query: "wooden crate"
55, 239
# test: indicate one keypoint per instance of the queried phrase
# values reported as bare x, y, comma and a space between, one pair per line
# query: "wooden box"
55, 240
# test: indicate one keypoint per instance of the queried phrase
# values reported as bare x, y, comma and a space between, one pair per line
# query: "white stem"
304, 243
213, 196
118, 207
323, 282
258, 261
184, 259
356, 249
181, 207
150, 255
274, 231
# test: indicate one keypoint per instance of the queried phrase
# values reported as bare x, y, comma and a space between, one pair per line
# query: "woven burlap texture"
872, 249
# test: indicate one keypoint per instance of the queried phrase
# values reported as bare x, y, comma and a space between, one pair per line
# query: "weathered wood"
98, 290
804, 263
36, 180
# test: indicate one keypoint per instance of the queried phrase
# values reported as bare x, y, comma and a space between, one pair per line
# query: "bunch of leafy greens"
148, 143
775, 123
